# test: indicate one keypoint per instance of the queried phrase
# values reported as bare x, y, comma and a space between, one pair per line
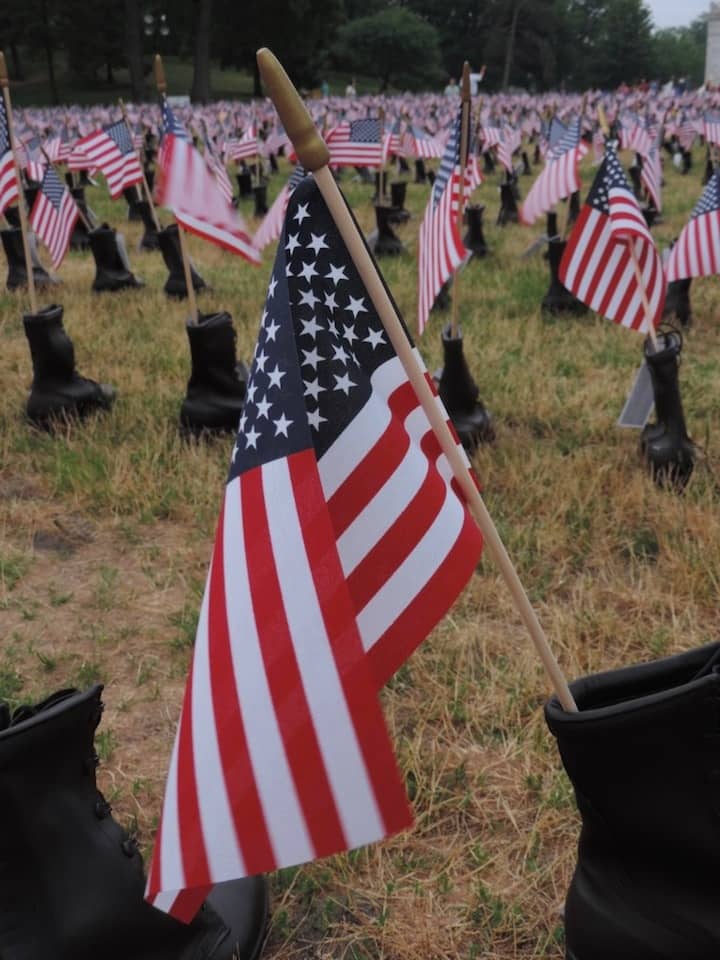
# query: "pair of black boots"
73, 880
643, 754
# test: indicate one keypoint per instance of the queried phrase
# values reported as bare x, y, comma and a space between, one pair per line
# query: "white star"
332, 328
336, 274
272, 330
241, 425
314, 419
302, 213
374, 338
271, 288
339, 354
261, 359
308, 271
281, 425
344, 383
293, 243
311, 358
356, 306
288, 270
252, 387
263, 407
312, 389
349, 334
235, 451
251, 438
318, 243
262, 318
311, 328
308, 298
276, 376
330, 301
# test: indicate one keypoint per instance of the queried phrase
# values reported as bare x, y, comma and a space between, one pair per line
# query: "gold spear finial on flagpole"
160, 81
314, 155
24, 228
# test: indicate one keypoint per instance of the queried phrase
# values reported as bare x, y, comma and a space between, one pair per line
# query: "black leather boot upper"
474, 239
58, 391
215, 393
17, 271
558, 298
461, 395
73, 880
175, 285
111, 272
643, 754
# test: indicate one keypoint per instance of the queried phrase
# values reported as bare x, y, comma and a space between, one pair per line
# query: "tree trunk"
510, 48
257, 85
200, 91
18, 72
47, 43
133, 49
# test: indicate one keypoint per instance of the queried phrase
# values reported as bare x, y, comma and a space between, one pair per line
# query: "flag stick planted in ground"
20, 195
313, 153
192, 301
464, 131
146, 185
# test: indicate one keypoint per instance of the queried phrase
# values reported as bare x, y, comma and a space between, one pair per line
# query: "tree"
397, 44
133, 49
200, 90
680, 52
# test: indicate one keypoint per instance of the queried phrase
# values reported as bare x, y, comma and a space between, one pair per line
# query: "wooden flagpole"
313, 153
381, 179
146, 185
464, 137
4, 83
161, 84
633, 256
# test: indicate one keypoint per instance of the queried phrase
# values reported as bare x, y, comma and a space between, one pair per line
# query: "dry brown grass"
106, 531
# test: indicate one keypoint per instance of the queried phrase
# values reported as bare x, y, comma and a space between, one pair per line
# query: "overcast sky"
676, 13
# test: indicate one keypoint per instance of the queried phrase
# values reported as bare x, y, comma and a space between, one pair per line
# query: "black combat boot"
175, 285
420, 172
132, 197
461, 395
398, 191
260, 195
112, 270
58, 392
17, 273
574, 207
526, 168
508, 212
149, 239
77, 877
443, 300
488, 162
245, 184
558, 298
686, 162
384, 241
80, 239
643, 754
380, 187
665, 445
677, 301
474, 239
217, 384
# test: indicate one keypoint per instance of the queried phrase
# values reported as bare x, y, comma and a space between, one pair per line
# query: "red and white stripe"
597, 267
651, 177
347, 152
272, 223
244, 148
188, 188
440, 248
54, 227
8, 181
696, 253
282, 754
121, 170
557, 180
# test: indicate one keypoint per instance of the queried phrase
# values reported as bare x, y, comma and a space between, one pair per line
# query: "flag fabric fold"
54, 215
111, 151
560, 176
8, 179
598, 263
355, 143
696, 252
341, 541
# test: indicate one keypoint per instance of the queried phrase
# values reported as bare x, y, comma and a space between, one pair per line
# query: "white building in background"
712, 51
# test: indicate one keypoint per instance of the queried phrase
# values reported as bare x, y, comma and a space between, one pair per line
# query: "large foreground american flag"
110, 150
8, 178
53, 215
188, 187
560, 176
598, 266
440, 246
341, 542
696, 253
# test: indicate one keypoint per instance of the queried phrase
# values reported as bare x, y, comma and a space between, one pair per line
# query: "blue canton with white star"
451, 158
53, 187
320, 341
710, 199
4, 135
365, 131
610, 176
120, 135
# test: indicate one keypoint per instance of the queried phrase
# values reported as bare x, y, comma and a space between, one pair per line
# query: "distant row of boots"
59, 393
112, 266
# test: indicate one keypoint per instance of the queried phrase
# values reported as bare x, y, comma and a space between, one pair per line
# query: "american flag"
245, 147
686, 132
271, 227
58, 146
189, 189
111, 150
559, 178
440, 246
696, 252
341, 541
8, 178
355, 143
417, 143
217, 167
651, 175
53, 216
494, 136
597, 265
711, 121
31, 158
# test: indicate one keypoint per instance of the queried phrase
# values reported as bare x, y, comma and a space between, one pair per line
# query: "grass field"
106, 532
